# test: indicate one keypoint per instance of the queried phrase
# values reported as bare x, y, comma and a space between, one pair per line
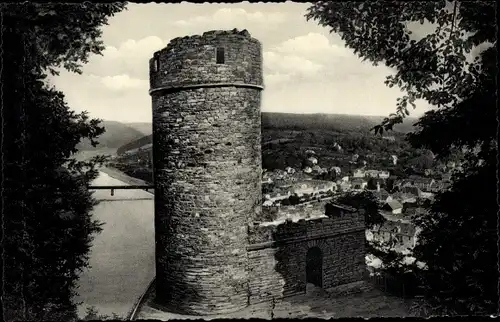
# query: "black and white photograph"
202, 160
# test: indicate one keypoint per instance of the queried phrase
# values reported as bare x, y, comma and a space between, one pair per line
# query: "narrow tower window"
220, 55
156, 66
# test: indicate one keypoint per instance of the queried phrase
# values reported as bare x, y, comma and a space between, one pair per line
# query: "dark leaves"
47, 220
364, 201
431, 68
438, 68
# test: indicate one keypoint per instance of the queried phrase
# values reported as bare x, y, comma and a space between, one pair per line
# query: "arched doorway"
314, 267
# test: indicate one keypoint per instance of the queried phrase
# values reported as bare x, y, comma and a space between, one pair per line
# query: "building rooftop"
403, 228
394, 204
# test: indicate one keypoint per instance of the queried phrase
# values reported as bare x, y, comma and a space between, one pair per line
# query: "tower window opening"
220, 55
156, 65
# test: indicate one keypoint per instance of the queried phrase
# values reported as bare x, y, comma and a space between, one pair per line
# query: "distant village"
298, 193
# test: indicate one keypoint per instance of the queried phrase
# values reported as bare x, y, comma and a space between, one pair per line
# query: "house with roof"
372, 173
358, 173
412, 190
337, 147
359, 183
401, 235
422, 183
337, 170
382, 195
345, 186
446, 176
384, 174
400, 183
312, 187
318, 169
267, 203
312, 160
451, 164
403, 197
413, 212
377, 181
266, 179
440, 185
394, 206
426, 195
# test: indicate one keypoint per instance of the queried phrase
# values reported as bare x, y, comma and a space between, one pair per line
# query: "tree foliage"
47, 226
92, 314
366, 202
457, 242
424, 159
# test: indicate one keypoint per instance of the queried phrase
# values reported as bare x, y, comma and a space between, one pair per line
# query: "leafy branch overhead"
63, 34
454, 68
437, 67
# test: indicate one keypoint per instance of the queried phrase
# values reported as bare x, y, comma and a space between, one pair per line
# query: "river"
122, 255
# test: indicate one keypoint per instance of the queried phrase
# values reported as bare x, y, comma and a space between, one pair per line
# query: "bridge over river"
122, 255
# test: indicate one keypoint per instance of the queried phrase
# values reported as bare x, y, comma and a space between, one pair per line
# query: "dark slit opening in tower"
220, 55
314, 267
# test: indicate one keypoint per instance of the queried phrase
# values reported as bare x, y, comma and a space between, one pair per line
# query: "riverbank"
122, 256
118, 175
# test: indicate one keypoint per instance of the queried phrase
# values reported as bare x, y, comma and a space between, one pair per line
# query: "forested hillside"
145, 128
331, 123
116, 135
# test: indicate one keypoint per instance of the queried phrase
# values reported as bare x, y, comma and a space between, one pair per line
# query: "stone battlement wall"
334, 222
280, 272
278, 254
191, 61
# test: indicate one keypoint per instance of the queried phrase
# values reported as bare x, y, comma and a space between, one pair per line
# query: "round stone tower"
206, 94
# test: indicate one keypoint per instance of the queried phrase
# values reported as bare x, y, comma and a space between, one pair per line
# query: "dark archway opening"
314, 267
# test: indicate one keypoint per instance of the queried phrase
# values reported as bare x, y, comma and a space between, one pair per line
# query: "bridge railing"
125, 187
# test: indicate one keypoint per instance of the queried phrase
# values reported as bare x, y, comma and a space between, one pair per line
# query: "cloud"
130, 58
276, 80
232, 17
290, 64
313, 57
312, 45
119, 97
123, 82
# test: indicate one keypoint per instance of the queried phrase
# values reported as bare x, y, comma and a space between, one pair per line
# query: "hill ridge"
300, 122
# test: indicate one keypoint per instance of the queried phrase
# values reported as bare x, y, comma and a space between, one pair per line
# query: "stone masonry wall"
192, 60
207, 171
277, 255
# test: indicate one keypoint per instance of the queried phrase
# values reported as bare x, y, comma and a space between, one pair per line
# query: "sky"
306, 69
